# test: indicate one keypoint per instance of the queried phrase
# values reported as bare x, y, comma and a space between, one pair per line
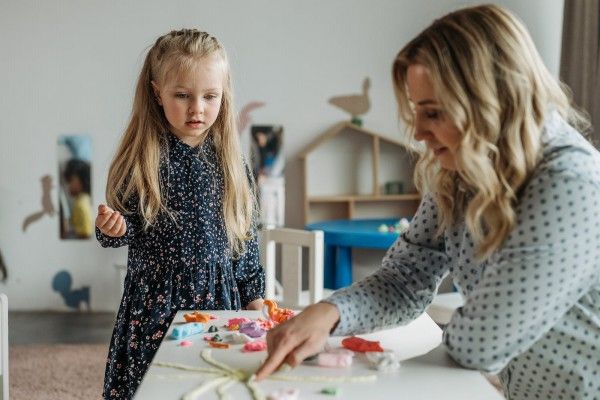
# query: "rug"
57, 372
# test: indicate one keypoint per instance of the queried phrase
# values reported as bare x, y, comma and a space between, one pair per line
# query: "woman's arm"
549, 261
405, 284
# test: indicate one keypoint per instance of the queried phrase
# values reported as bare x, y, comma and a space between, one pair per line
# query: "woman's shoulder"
566, 153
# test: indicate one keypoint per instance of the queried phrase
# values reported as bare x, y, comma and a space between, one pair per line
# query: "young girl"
180, 197
511, 209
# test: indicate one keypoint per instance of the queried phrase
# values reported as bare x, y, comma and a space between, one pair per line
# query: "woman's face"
432, 125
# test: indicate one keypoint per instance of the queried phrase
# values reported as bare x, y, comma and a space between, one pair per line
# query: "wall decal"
47, 206
3, 270
354, 104
244, 115
74, 298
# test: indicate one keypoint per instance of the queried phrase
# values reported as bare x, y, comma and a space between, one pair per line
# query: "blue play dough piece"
185, 330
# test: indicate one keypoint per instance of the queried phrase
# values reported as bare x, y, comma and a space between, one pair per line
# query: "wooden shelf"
361, 161
344, 198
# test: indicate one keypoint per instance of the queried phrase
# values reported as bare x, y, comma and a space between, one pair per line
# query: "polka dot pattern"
179, 263
532, 310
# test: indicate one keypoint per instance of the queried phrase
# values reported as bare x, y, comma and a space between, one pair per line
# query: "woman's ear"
156, 92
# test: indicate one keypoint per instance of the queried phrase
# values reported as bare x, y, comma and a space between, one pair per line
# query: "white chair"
4, 345
292, 241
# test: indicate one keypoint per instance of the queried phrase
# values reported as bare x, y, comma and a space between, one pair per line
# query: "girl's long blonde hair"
492, 83
134, 172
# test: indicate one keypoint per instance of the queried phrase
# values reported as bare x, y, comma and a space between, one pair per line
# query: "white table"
427, 372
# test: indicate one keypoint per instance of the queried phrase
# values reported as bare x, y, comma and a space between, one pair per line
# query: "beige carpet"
57, 372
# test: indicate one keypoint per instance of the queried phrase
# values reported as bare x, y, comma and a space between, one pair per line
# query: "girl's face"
432, 125
191, 101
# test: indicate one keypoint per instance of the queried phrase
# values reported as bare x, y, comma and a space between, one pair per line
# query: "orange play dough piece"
197, 316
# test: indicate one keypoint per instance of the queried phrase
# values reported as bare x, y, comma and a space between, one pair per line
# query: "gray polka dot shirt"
532, 310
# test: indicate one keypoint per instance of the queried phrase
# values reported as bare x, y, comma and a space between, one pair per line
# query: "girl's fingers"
123, 227
101, 220
117, 227
104, 209
111, 221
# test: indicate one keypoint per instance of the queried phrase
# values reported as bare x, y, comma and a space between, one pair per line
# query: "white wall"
69, 67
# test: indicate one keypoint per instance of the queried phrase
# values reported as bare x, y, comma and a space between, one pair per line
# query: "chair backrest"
292, 242
4, 345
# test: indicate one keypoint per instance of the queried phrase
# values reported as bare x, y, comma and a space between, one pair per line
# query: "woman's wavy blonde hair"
134, 172
493, 85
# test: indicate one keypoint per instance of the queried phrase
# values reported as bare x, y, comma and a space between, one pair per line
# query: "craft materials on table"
185, 330
245, 331
252, 329
257, 345
198, 316
386, 361
284, 394
330, 391
360, 345
336, 358
227, 376
276, 314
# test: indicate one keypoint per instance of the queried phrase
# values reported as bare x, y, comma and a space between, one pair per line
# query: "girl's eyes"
187, 96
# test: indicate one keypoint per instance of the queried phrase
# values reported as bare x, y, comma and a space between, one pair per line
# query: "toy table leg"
338, 267
329, 267
343, 267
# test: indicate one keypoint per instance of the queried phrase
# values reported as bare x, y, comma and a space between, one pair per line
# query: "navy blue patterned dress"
181, 262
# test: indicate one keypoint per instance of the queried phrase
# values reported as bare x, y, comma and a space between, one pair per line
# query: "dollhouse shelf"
344, 173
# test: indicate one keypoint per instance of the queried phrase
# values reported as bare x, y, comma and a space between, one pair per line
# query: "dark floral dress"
181, 262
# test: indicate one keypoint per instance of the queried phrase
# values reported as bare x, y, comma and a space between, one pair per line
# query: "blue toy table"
341, 236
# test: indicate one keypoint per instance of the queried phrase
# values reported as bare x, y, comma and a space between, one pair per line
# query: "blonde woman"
179, 196
511, 209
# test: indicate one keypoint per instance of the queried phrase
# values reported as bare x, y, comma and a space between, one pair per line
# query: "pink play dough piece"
337, 358
259, 345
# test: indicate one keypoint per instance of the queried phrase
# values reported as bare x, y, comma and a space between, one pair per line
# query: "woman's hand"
255, 305
299, 338
110, 222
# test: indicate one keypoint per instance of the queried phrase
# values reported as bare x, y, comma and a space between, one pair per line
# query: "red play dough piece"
360, 345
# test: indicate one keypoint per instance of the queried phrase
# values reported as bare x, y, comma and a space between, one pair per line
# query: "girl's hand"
299, 338
255, 305
110, 222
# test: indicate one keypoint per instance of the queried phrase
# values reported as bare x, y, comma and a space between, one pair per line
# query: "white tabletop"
426, 372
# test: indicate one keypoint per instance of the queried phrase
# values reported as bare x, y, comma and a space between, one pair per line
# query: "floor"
49, 327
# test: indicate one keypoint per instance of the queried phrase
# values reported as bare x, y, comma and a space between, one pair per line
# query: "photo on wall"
266, 151
75, 182
267, 166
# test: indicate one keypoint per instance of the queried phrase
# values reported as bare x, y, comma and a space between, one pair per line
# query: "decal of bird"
354, 104
244, 115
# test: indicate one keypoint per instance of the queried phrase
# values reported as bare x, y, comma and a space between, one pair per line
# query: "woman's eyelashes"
431, 114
